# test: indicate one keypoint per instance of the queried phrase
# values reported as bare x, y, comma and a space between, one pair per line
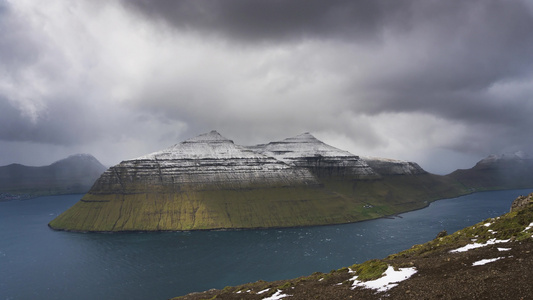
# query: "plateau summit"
305, 151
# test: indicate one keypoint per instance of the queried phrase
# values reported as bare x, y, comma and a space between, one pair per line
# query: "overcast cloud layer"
441, 83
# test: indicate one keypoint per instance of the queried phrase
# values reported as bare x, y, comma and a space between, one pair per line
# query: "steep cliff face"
305, 151
208, 182
385, 166
206, 162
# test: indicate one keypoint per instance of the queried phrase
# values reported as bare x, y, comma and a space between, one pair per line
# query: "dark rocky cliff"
207, 162
323, 160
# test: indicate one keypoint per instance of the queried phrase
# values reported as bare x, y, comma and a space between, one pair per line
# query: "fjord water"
39, 263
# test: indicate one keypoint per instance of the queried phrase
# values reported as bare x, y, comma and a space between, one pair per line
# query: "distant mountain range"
74, 174
507, 171
208, 182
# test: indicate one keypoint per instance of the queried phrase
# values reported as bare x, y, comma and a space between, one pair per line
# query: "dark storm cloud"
443, 58
275, 19
401, 77
459, 48
453, 60
63, 123
461, 53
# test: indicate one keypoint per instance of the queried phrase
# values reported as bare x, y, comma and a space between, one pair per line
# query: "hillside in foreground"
489, 260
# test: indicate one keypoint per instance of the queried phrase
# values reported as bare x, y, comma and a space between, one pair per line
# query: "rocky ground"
501, 267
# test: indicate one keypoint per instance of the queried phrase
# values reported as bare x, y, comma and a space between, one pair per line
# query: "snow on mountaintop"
303, 145
207, 145
507, 156
79, 158
387, 166
389, 160
211, 137
82, 156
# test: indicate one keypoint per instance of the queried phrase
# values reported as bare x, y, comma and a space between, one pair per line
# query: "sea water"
39, 263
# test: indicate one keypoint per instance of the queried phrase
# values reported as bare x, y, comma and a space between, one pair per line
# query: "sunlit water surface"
39, 263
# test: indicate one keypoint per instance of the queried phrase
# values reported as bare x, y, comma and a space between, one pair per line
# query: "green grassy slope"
338, 200
197, 210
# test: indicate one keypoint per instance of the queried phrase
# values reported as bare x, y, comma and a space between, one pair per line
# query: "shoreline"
29, 196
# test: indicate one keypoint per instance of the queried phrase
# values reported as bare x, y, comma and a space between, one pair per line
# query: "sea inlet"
39, 263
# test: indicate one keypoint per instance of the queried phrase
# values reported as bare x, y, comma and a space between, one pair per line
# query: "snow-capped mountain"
503, 171
502, 160
386, 166
208, 161
306, 151
209, 182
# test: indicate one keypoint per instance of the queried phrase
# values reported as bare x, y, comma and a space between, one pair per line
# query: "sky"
440, 83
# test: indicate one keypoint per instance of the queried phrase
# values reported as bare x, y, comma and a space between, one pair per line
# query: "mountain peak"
212, 136
306, 151
387, 166
494, 159
82, 158
207, 145
303, 145
305, 137
74, 174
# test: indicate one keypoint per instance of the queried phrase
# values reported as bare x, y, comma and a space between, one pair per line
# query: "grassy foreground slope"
198, 210
335, 201
489, 260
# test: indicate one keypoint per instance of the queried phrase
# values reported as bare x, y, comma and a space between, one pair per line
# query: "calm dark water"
39, 263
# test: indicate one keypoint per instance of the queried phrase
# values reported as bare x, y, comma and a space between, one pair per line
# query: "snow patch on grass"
478, 245
278, 295
385, 283
485, 261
